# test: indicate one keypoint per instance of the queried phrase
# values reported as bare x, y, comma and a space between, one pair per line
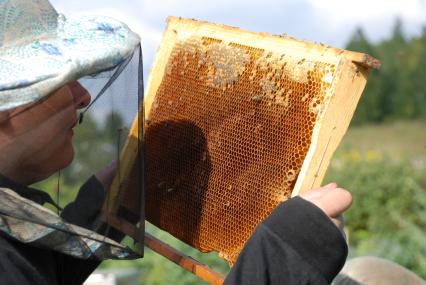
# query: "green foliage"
419, 73
388, 216
398, 89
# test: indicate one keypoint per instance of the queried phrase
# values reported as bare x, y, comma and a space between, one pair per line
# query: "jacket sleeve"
83, 211
87, 205
296, 244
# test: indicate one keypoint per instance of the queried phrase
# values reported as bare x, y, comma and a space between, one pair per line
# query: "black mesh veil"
72, 152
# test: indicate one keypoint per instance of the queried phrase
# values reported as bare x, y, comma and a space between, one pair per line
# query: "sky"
327, 21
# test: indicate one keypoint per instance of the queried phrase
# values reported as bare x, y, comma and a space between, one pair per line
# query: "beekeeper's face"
38, 138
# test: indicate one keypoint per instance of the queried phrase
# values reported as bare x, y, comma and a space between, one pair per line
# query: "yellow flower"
354, 155
372, 155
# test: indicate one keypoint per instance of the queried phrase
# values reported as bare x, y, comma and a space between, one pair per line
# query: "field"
384, 167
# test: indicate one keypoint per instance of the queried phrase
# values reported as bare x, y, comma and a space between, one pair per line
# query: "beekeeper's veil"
69, 90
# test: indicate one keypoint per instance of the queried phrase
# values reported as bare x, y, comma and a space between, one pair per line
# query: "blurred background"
382, 158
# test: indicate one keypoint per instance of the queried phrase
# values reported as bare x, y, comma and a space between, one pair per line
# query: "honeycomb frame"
245, 75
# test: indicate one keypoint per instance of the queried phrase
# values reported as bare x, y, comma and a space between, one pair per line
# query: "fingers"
331, 185
318, 192
335, 202
330, 198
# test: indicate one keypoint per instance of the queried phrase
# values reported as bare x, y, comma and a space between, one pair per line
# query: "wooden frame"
351, 77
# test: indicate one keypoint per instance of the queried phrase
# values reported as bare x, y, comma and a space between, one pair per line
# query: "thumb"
332, 201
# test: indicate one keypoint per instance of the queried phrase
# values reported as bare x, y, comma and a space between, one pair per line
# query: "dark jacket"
24, 264
296, 244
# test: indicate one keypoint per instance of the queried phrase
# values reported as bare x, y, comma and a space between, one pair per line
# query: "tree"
396, 53
398, 90
370, 108
419, 75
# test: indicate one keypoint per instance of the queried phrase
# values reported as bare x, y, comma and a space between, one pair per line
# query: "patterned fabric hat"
41, 50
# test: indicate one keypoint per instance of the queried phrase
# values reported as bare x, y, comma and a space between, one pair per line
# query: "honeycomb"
228, 130
235, 123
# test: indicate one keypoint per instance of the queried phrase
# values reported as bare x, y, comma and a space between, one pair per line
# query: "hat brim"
83, 46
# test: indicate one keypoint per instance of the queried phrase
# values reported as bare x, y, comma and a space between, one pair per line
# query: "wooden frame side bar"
335, 120
188, 263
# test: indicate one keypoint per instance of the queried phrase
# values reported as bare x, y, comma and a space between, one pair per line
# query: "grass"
398, 140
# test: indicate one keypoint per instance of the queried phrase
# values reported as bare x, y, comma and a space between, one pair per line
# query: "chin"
59, 160
45, 171
66, 158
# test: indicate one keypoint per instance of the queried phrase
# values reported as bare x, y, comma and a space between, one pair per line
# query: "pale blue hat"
41, 50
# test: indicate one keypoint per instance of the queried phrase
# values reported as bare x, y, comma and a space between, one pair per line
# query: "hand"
332, 200
106, 174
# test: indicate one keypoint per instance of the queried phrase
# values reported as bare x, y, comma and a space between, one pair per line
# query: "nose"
80, 95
